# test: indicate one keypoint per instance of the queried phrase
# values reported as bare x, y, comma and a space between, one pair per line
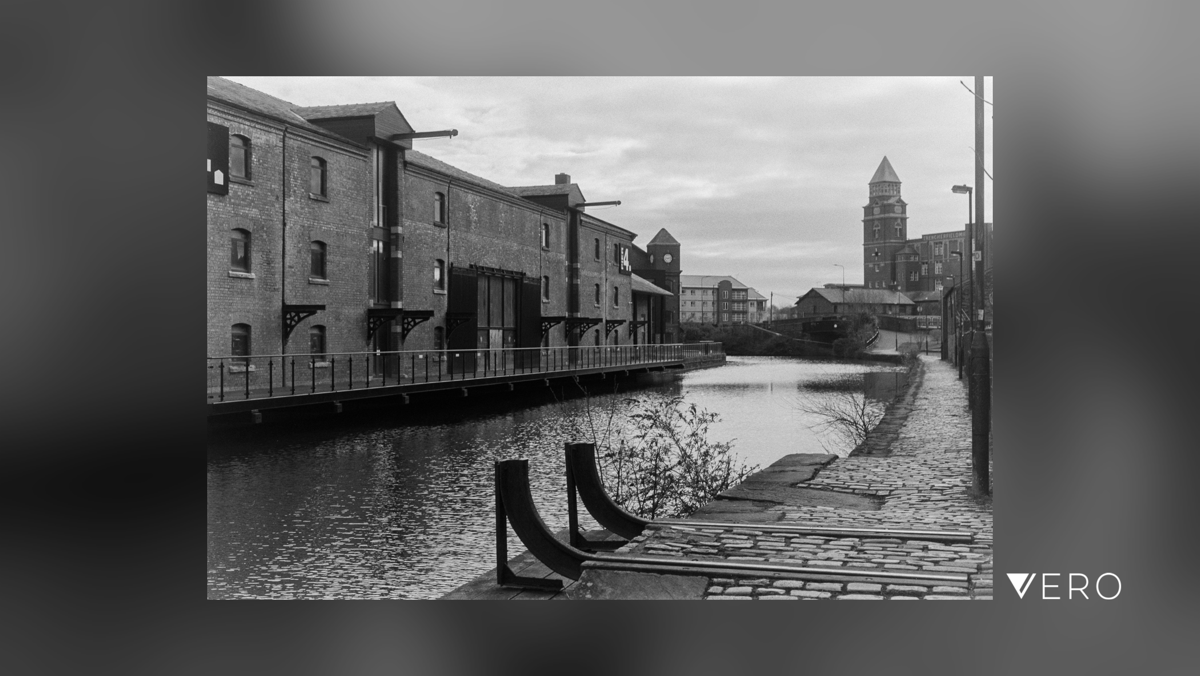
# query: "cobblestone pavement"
924, 483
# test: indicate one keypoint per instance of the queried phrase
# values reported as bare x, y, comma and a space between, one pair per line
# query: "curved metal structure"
514, 501
515, 506
583, 476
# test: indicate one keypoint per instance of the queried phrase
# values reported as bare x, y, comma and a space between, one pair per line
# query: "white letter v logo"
1020, 582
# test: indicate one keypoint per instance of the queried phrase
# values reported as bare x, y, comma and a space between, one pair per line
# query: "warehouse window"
239, 343
596, 253
439, 275
317, 179
439, 208
545, 288
597, 297
316, 268
616, 296
239, 250
545, 235
239, 156
316, 343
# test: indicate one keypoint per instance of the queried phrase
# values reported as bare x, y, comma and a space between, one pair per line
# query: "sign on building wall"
218, 159
624, 266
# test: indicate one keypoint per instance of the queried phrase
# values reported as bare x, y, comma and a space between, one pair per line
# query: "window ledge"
440, 292
545, 300
439, 224
318, 280
320, 365
241, 368
319, 198
241, 181
242, 275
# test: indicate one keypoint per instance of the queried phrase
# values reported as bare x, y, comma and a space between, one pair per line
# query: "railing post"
221, 368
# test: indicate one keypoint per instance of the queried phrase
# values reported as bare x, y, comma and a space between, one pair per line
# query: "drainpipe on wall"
283, 242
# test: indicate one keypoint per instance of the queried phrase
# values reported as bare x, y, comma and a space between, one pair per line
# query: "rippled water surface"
396, 508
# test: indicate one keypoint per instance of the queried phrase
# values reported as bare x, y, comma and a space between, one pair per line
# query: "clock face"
667, 258
876, 210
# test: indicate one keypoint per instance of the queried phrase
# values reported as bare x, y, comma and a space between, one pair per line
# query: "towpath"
920, 480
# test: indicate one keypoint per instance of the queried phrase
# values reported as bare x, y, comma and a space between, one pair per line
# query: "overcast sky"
760, 178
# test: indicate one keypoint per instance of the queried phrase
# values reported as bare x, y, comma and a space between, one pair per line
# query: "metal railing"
234, 377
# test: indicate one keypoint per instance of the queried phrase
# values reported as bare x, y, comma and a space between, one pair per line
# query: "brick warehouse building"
891, 260
386, 248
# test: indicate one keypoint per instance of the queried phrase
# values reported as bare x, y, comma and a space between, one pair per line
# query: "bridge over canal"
248, 385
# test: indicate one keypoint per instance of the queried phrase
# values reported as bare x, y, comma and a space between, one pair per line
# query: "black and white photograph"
638, 303
600, 338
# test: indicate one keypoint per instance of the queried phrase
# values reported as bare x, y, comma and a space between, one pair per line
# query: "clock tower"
664, 258
885, 229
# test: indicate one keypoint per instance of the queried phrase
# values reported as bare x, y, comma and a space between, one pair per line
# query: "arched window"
239, 156
597, 299
439, 275
316, 260
545, 235
317, 177
239, 343
545, 288
239, 250
439, 338
616, 296
439, 208
597, 251
316, 343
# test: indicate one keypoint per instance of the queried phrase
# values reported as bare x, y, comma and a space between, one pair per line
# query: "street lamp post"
970, 242
843, 267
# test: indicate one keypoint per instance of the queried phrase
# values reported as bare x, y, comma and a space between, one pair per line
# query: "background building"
846, 300
891, 260
719, 299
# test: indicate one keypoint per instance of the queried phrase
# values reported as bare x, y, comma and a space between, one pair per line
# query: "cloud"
768, 175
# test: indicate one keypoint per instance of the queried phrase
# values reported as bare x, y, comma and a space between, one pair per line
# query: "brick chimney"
562, 179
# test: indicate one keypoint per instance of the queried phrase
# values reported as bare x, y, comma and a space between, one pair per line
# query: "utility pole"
981, 389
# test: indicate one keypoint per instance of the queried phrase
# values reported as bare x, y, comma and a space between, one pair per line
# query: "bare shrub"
655, 456
846, 416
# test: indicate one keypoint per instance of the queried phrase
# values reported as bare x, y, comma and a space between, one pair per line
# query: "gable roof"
344, 110
663, 237
708, 281
640, 285
860, 296
570, 191
253, 100
422, 160
924, 296
885, 173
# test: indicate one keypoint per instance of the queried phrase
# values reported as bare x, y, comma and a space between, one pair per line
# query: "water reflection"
384, 510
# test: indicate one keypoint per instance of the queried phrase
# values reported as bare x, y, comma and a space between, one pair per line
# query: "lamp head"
961, 189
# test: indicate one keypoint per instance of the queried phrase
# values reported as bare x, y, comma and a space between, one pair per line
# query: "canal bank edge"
883, 436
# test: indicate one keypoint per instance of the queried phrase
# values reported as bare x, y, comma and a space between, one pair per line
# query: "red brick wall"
257, 206
483, 229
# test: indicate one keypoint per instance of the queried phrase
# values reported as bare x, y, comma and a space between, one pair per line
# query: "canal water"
396, 508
